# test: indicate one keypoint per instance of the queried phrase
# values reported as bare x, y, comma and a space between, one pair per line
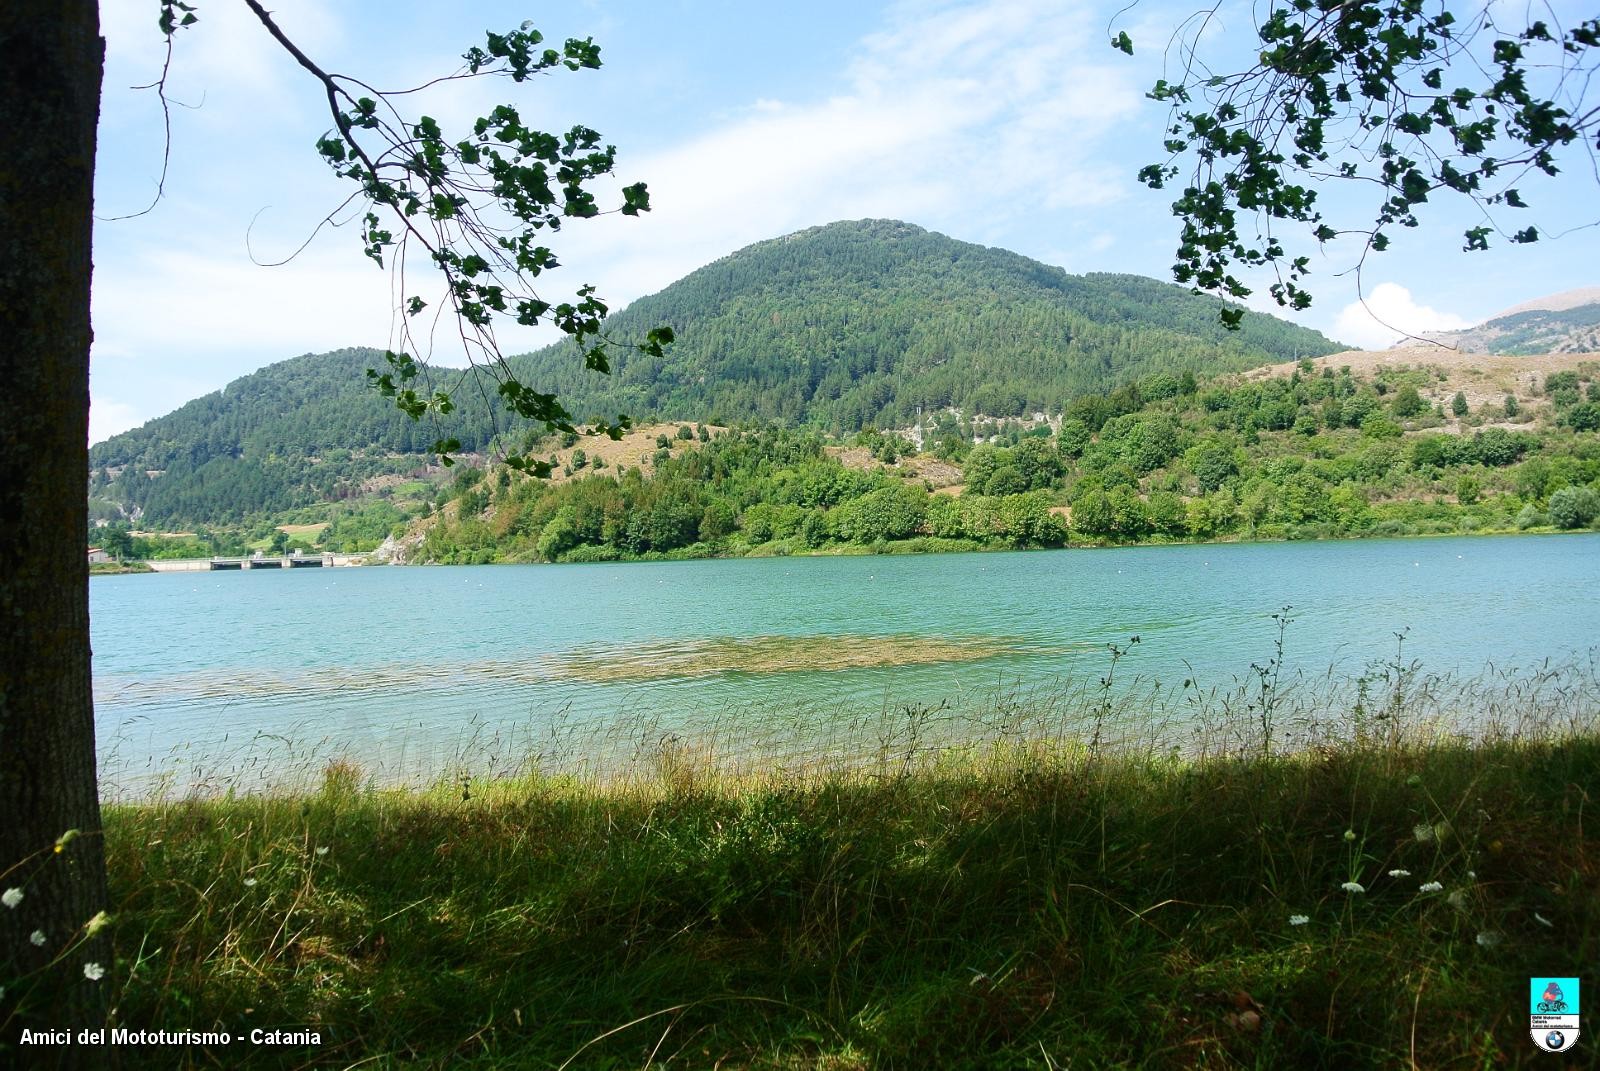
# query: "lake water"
409, 670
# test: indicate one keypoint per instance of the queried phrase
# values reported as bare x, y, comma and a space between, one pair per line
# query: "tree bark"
50, 78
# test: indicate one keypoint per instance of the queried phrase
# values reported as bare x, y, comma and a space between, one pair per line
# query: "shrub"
1585, 417
1439, 451
1408, 403
1073, 437
1378, 426
1498, 447
1212, 464
1574, 507
1006, 480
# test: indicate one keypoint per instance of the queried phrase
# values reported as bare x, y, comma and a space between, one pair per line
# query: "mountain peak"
866, 322
1567, 299
1568, 322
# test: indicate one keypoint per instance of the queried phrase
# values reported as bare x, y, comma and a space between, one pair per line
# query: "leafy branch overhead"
475, 205
1397, 95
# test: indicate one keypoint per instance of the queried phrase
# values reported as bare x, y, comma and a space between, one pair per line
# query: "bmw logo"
1555, 1040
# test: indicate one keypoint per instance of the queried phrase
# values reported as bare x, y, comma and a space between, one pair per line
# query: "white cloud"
108, 418
325, 298
1388, 315
226, 50
960, 117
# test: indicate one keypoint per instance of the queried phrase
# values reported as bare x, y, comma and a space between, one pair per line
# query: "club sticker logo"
1553, 1013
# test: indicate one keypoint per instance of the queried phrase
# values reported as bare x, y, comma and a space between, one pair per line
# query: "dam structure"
298, 560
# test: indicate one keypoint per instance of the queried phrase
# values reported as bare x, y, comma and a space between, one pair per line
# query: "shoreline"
905, 548
911, 548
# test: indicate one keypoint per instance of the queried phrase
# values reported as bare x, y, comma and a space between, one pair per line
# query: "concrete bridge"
326, 560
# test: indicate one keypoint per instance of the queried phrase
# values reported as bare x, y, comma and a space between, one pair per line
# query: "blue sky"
1004, 122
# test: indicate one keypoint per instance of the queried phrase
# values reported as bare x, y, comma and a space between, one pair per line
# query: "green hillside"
297, 432
842, 327
857, 324
1320, 452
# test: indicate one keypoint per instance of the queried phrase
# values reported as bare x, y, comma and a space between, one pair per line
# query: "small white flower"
93, 971
248, 882
1430, 886
1423, 832
1488, 939
1472, 875
11, 897
323, 850
1457, 900
36, 938
1299, 920
1353, 887
1399, 873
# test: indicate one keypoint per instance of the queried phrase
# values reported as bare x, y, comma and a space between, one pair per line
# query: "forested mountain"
857, 324
300, 431
841, 327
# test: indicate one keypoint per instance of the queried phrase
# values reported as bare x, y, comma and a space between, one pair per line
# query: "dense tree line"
1167, 457
1328, 454
766, 491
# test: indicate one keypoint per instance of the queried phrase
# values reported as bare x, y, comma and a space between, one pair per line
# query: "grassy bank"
1016, 907
118, 568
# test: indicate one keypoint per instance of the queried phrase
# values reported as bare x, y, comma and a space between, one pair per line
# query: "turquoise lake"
414, 671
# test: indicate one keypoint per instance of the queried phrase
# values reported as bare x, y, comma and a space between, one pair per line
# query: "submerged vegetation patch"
619, 663
778, 654
1100, 873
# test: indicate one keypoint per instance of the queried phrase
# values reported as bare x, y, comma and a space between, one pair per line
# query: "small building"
97, 555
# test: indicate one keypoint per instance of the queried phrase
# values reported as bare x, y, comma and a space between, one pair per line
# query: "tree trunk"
50, 98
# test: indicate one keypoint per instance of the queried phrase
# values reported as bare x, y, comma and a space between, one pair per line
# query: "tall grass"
1069, 887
